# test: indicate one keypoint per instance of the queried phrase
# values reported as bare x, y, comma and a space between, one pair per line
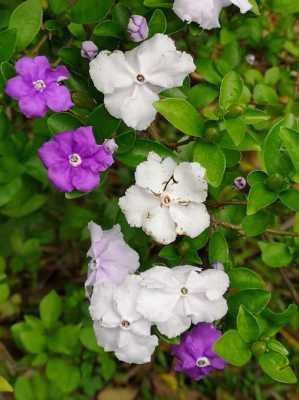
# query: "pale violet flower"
138, 28
206, 12
132, 80
118, 326
167, 199
112, 259
173, 298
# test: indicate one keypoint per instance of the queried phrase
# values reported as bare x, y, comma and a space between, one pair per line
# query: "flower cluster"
124, 306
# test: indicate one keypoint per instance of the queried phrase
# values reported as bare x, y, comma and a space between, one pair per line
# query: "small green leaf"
63, 375
4, 385
104, 125
276, 366
256, 224
157, 3
247, 325
277, 320
8, 39
255, 300
245, 278
50, 309
230, 90
275, 254
33, 341
290, 139
265, 95
278, 347
23, 389
157, 23
89, 11
218, 248
236, 128
108, 28
290, 198
212, 158
26, 19
232, 348
61, 122
202, 94
259, 197
88, 339
181, 114
206, 68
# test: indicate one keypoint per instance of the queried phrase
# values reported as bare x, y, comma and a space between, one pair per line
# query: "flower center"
165, 200
184, 291
125, 324
75, 160
202, 362
140, 78
39, 85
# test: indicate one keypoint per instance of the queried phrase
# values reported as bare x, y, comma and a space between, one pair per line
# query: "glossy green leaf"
157, 23
255, 300
89, 11
8, 39
256, 224
63, 375
230, 90
259, 197
290, 139
61, 122
244, 278
247, 325
5, 386
290, 198
275, 254
232, 348
276, 366
236, 128
218, 248
50, 309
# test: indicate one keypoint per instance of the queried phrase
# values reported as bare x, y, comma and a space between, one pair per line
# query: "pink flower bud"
137, 28
89, 49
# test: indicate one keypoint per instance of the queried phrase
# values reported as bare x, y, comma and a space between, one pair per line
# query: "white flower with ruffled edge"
132, 80
206, 12
118, 326
173, 298
167, 199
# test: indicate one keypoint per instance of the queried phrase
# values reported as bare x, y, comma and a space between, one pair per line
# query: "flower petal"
58, 97
174, 326
203, 310
58, 74
244, 5
110, 71
32, 69
191, 219
160, 278
84, 180
160, 226
107, 338
205, 12
138, 350
33, 106
84, 142
51, 154
189, 183
213, 282
125, 298
65, 142
101, 301
136, 204
17, 87
154, 173
61, 176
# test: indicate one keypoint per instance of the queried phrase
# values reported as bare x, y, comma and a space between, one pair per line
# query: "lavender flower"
194, 355
138, 28
239, 183
37, 87
74, 160
89, 49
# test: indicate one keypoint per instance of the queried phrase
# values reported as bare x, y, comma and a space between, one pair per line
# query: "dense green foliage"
235, 116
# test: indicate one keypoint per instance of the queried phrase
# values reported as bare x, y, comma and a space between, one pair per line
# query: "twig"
290, 286
290, 339
40, 44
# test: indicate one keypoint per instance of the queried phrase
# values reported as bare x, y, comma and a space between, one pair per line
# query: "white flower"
132, 80
111, 258
206, 12
118, 326
174, 297
167, 199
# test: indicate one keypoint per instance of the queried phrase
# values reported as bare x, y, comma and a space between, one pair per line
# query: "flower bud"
218, 265
137, 28
89, 49
110, 145
250, 59
239, 183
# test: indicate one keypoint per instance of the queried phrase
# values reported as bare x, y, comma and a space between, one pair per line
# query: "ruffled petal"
154, 173
83, 141
84, 180
33, 106
205, 13
114, 101
244, 5
174, 326
65, 143
61, 176
58, 74
160, 226
189, 183
139, 350
32, 69
51, 154
190, 219
110, 71
136, 205
17, 87
58, 97
160, 278
214, 283
101, 301
125, 298
106, 337
203, 310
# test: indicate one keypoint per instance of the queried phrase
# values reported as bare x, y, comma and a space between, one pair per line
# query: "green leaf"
23, 389
275, 254
212, 158
26, 19
290, 139
140, 152
254, 116
202, 94
88, 339
255, 7
277, 320
285, 6
245, 278
157, 3
74, 195
278, 347
157, 23
236, 129
126, 141
60, 122
4, 292
9, 190
276, 366
272, 76
50, 309
232, 348
276, 160
104, 125
256, 224
230, 90
181, 114
4, 385
58, 6
33, 341
290, 198
265, 95
206, 68
108, 28
89, 11
247, 325
255, 300
259, 197
8, 39
63, 375
65, 339
218, 248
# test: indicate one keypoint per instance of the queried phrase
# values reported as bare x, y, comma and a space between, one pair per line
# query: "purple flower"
74, 160
111, 258
239, 183
89, 49
194, 355
137, 28
37, 87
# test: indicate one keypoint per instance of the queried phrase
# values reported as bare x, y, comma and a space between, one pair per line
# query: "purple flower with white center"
89, 49
239, 183
37, 87
74, 160
138, 28
194, 356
